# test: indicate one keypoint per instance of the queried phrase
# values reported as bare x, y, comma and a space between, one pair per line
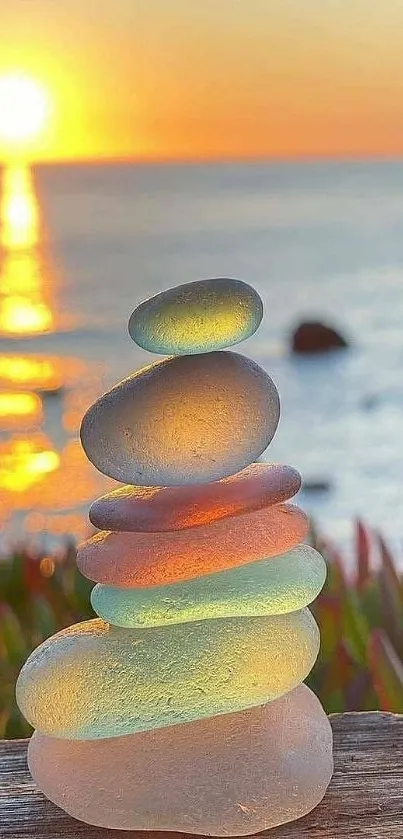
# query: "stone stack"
181, 708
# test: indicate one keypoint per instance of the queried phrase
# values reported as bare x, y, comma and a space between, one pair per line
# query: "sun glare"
24, 109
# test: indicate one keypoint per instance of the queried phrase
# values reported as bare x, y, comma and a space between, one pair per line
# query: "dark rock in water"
51, 394
369, 402
317, 485
315, 337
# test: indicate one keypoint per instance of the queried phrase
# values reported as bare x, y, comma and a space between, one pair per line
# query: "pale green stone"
197, 317
93, 680
268, 587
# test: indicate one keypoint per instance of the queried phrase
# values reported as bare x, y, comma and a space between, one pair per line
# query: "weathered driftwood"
365, 798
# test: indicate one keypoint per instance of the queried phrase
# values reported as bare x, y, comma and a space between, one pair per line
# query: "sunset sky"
219, 78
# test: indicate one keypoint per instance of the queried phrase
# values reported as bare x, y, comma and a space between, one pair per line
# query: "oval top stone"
156, 509
197, 317
185, 420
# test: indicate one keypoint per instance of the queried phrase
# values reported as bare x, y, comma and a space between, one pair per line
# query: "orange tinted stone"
175, 508
147, 559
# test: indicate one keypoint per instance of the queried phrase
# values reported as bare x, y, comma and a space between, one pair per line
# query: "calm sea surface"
80, 246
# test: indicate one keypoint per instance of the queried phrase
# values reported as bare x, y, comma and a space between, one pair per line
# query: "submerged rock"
317, 485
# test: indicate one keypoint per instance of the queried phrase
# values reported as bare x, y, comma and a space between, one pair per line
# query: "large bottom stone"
230, 775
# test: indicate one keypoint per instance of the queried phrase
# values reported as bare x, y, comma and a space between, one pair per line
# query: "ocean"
81, 245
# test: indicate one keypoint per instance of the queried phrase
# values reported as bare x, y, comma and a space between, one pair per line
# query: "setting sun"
24, 108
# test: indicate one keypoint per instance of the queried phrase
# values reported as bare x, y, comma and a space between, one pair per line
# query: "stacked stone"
182, 707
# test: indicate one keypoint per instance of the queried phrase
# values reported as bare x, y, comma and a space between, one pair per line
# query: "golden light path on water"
20, 405
44, 476
39, 372
25, 300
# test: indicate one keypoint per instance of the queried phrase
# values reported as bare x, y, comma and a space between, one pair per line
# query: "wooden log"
365, 798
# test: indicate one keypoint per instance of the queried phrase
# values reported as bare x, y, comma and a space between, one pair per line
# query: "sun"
24, 109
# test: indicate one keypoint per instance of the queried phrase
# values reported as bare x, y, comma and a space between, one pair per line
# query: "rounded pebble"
186, 420
275, 759
269, 587
93, 680
150, 559
197, 317
153, 509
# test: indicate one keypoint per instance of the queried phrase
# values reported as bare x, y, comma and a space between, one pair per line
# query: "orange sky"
218, 78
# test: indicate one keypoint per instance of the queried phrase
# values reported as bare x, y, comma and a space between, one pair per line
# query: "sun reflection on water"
19, 211
46, 482
20, 405
25, 298
24, 462
40, 372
